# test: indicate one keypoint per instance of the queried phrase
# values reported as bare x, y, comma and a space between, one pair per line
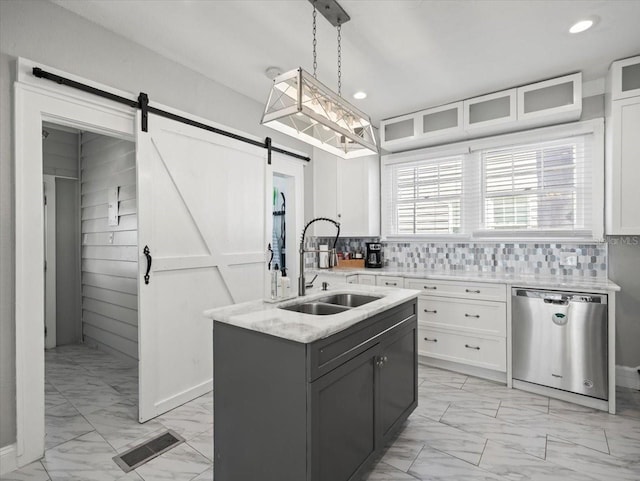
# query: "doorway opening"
90, 252
285, 223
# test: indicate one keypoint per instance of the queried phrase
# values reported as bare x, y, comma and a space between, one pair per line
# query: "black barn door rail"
143, 104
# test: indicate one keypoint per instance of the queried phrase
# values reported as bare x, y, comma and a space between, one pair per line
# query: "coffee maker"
374, 255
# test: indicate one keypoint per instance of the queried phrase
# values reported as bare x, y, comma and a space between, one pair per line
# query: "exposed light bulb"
360, 95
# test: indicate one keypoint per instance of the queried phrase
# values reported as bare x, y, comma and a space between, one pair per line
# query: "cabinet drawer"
328, 353
486, 351
464, 290
367, 279
390, 281
481, 317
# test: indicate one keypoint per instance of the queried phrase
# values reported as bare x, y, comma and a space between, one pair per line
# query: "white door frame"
49, 184
37, 100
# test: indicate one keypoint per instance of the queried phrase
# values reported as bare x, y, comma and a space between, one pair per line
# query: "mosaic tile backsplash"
544, 259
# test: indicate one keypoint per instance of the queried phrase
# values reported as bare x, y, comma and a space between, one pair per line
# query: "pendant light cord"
339, 60
315, 42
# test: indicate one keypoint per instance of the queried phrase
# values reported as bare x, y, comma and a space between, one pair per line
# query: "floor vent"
145, 452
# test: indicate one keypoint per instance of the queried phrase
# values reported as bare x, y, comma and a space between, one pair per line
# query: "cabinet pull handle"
380, 360
433, 288
473, 291
477, 316
431, 312
477, 348
431, 340
556, 375
390, 283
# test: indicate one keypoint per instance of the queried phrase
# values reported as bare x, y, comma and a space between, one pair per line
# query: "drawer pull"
431, 340
431, 312
390, 283
433, 288
477, 348
473, 291
477, 316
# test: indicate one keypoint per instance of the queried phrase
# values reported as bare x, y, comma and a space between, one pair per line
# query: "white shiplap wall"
109, 253
60, 153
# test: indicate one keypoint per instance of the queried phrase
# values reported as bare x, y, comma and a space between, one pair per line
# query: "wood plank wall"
60, 153
109, 253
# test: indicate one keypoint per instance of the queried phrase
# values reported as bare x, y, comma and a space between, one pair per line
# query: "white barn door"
201, 204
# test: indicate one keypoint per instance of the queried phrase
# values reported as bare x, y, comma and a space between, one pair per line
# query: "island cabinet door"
343, 434
398, 378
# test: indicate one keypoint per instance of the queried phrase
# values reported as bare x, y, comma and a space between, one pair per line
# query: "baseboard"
628, 377
184, 396
8, 459
464, 369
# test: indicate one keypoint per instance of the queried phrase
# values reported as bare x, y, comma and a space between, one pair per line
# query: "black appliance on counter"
374, 255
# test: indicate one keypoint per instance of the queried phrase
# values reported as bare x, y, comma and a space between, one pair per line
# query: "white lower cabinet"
367, 279
390, 281
481, 317
462, 322
488, 352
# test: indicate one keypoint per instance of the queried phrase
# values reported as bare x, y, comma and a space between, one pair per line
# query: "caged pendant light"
301, 106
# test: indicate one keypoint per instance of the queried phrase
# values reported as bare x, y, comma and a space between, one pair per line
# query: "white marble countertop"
267, 318
519, 280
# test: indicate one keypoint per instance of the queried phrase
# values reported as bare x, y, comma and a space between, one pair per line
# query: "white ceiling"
406, 54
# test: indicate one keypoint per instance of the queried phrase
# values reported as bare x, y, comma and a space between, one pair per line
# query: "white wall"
43, 32
60, 158
109, 253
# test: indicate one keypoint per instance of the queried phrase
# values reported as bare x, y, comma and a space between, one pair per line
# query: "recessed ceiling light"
360, 95
581, 26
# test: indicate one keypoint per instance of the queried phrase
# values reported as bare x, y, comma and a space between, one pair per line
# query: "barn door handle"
147, 253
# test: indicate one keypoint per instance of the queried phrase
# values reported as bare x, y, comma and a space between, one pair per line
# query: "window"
539, 187
545, 183
427, 197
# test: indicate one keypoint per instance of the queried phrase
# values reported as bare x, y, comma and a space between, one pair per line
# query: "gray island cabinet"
319, 411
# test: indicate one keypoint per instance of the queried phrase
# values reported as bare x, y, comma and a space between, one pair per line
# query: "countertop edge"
558, 282
267, 318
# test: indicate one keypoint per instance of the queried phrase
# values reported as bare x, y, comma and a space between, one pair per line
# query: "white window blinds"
538, 188
426, 196
545, 183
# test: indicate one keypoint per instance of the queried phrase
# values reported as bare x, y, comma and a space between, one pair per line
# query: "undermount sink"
316, 308
348, 300
332, 304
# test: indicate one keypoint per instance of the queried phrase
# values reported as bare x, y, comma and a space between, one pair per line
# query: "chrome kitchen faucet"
301, 281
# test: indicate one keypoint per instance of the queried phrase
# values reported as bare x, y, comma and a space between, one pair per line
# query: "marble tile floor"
465, 428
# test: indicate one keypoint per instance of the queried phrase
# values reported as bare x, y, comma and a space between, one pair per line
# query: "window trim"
471, 215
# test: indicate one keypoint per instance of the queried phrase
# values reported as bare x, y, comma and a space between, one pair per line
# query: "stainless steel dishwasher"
560, 340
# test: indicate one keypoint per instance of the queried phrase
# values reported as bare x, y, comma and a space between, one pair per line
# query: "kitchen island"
311, 397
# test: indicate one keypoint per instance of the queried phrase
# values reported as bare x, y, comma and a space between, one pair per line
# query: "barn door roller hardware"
143, 104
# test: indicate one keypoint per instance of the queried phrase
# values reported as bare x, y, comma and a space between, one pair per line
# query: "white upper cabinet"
551, 101
441, 123
432, 126
543, 103
623, 148
490, 111
625, 78
346, 190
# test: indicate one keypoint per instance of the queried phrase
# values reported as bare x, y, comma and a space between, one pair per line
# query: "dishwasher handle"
558, 302
559, 297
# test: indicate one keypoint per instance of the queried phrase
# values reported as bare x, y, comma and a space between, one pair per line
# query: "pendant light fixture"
301, 106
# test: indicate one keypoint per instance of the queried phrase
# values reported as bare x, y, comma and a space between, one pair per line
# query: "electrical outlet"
568, 259
110, 237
